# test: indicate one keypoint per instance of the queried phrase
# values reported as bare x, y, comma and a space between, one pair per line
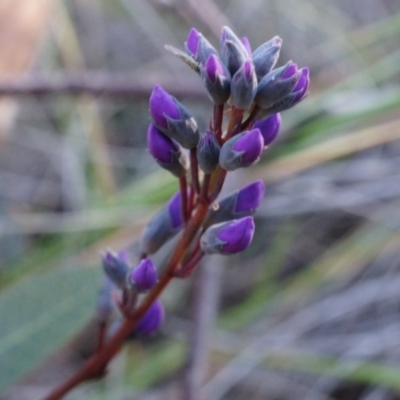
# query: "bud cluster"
131, 281
248, 94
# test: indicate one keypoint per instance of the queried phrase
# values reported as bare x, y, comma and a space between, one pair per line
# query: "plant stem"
194, 169
184, 201
218, 116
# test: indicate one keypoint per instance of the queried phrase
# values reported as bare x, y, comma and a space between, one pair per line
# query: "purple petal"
248, 69
144, 275
162, 104
175, 210
302, 84
192, 41
290, 71
250, 197
251, 144
237, 235
152, 320
160, 146
269, 128
213, 68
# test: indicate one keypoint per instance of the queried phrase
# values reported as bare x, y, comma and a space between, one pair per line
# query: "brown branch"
96, 84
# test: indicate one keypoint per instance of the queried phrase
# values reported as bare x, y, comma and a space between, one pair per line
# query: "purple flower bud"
290, 71
208, 152
266, 56
238, 204
228, 237
152, 320
173, 119
241, 150
199, 47
233, 52
192, 42
269, 128
276, 85
249, 197
115, 268
175, 210
163, 105
216, 79
167, 152
163, 226
144, 275
244, 86
299, 92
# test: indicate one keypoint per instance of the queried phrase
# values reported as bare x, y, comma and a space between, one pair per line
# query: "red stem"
218, 117
205, 186
194, 169
184, 201
250, 119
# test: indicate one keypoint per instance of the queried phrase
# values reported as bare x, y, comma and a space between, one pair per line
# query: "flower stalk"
244, 86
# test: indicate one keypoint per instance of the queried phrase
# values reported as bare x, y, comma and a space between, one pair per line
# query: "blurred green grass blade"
39, 314
369, 373
346, 257
266, 286
142, 196
156, 364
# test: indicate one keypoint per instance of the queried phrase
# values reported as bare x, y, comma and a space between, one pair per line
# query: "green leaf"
39, 314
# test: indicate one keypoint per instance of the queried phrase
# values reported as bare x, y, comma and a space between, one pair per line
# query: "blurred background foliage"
312, 310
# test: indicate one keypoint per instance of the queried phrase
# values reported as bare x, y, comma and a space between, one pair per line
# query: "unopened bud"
233, 52
241, 203
208, 152
216, 79
199, 47
241, 150
152, 320
144, 275
115, 268
269, 128
244, 86
167, 152
299, 92
266, 56
173, 119
228, 237
163, 226
276, 85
